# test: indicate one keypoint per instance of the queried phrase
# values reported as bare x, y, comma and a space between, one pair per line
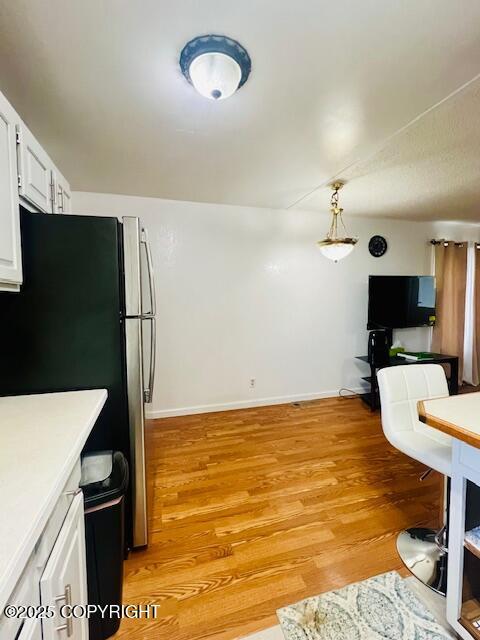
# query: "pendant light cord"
337, 213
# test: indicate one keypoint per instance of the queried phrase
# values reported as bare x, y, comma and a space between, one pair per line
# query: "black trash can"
104, 483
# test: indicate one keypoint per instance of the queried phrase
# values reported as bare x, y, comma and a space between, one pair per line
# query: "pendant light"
216, 66
335, 247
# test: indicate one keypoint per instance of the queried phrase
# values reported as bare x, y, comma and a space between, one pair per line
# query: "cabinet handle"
72, 492
67, 598
53, 195
60, 203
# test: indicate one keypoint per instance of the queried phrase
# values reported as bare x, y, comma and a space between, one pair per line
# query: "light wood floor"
258, 508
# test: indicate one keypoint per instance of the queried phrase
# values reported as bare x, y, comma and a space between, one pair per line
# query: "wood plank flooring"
254, 509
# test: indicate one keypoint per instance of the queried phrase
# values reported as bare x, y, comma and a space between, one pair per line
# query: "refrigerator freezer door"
134, 348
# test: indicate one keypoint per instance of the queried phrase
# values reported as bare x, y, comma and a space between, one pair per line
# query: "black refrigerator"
84, 319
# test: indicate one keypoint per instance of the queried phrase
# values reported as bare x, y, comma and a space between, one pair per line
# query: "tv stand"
372, 397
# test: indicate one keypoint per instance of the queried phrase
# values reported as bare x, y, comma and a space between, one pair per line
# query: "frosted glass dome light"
215, 75
336, 250
216, 66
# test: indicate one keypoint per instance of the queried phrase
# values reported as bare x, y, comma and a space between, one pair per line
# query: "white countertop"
459, 416
41, 437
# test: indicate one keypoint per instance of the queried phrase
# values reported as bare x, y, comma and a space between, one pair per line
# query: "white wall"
245, 293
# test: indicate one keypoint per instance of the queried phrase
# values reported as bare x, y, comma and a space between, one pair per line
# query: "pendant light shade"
333, 246
216, 66
337, 250
215, 75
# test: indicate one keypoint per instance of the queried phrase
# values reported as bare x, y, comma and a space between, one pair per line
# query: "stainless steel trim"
422, 556
131, 252
441, 539
148, 391
134, 353
133, 238
151, 278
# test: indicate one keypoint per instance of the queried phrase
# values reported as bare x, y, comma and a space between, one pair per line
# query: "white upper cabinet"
40, 184
27, 177
10, 251
62, 197
35, 171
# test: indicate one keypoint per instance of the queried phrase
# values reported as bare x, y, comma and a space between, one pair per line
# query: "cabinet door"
10, 251
64, 580
61, 193
35, 171
32, 630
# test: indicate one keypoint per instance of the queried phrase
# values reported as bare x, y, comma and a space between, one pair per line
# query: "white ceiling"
333, 91
428, 171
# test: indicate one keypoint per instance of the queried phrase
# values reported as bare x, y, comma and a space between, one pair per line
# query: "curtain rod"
447, 242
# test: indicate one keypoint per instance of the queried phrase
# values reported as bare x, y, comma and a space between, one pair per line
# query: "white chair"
422, 550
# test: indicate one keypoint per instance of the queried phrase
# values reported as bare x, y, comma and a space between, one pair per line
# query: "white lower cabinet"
25, 594
55, 574
32, 630
64, 579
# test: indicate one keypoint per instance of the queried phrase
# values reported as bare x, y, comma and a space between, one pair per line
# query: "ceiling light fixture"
215, 65
334, 247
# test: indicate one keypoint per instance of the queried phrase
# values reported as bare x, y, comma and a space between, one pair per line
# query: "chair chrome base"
420, 553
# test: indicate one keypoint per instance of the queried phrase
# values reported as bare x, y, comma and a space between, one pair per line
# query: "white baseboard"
244, 404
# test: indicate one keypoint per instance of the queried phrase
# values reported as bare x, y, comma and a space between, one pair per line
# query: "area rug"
380, 608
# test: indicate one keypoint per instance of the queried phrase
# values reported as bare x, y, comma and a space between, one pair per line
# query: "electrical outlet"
252, 382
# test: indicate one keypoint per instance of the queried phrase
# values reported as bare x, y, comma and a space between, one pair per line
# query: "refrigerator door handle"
151, 278
148, 392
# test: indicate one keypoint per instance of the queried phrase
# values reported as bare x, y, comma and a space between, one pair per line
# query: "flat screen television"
396, 302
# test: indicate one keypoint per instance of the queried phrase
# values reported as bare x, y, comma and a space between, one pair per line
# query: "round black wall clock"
377, 246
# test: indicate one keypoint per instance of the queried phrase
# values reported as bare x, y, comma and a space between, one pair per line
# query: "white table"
459, 416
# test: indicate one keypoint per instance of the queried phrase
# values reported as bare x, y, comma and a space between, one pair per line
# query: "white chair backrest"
400, 390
